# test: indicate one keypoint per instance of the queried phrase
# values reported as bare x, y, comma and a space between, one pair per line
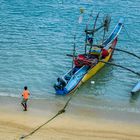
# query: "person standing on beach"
25, 95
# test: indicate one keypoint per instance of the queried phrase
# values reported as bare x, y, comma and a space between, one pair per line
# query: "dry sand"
15, 123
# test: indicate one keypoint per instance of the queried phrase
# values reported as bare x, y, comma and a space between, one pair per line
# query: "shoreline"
75, 123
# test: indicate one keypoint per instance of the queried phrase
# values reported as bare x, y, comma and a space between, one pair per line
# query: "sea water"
36, 35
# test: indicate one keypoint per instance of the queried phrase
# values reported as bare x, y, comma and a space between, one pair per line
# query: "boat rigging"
86, 65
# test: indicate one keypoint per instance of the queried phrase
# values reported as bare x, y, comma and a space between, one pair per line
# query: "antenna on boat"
94, 31
74, 50
90, 16
90, 33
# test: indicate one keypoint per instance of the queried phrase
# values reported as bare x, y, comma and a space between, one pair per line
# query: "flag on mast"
81, 15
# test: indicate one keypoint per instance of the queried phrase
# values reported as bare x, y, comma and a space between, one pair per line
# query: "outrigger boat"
88, 64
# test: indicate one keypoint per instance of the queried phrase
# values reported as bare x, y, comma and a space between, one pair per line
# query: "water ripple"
36, 35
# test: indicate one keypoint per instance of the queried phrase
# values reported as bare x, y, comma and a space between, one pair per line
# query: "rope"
57, 114
66, 104
126, 52
128, 34
117, 65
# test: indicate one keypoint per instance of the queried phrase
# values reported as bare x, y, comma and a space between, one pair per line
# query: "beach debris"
22, 137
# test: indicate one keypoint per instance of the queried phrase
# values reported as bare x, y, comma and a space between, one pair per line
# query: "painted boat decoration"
136, 88
87, 65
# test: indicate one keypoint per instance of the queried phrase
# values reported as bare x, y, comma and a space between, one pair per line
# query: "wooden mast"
93, 31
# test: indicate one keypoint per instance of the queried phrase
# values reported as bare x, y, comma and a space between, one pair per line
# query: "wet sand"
71, 125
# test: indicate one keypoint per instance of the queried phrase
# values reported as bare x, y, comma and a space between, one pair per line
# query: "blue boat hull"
70, 80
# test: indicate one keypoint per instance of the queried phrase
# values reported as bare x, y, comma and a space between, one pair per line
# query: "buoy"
92, 82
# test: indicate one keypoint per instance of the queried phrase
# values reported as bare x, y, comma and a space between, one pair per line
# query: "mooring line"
127, 33
57, 114
66, 104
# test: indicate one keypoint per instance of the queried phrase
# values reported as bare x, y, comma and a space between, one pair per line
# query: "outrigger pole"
120, 66
126, 52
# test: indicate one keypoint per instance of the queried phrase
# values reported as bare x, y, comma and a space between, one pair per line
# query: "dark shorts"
24, 101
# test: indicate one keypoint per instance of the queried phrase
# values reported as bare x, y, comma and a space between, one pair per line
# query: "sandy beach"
15, 123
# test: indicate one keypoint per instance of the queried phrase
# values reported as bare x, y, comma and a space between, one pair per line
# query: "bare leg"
25, 106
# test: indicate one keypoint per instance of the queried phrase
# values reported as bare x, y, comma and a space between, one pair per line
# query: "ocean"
36, 35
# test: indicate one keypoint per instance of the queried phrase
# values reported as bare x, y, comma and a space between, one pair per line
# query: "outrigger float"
88, 64
136, 88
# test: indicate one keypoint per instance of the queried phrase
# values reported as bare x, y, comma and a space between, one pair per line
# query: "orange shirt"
25, 94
